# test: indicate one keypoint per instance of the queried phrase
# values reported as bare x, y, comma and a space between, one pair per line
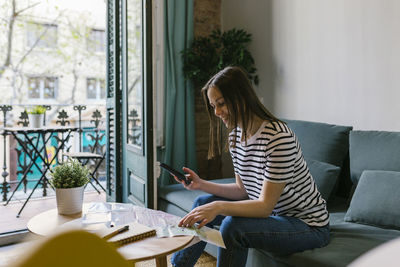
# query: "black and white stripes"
273, 154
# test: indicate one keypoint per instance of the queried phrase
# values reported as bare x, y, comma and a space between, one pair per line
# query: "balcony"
21, 176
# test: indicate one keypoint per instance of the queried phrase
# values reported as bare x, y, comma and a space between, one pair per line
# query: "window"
95, 88
42, 87
41, 35
97, 41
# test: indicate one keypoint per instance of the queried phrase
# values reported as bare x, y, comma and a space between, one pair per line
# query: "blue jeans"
276, 234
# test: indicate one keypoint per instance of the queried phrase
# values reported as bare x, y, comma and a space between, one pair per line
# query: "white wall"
334, 61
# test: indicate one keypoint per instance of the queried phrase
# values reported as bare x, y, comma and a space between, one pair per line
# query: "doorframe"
113, 102
148, 66
147, 102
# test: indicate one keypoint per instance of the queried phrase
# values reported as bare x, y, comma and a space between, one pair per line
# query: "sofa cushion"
373, 150
376, 200
348, 241
321, 141
325, 176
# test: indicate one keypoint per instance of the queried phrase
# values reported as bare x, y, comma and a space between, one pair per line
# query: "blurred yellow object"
72, 248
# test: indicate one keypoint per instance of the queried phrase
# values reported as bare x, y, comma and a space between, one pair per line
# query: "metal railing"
89, 137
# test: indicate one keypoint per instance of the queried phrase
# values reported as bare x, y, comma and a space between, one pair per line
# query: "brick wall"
207, 17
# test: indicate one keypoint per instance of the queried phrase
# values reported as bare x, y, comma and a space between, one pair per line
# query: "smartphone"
178, 174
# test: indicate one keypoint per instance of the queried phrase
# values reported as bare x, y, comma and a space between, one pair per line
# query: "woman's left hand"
202, 215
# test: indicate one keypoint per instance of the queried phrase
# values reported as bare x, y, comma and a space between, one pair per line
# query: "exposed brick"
207, 17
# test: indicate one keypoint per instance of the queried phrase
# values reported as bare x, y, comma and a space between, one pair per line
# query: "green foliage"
208, 55
37, 110
69, 175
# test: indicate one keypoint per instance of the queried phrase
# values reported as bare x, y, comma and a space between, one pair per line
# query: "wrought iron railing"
89, 137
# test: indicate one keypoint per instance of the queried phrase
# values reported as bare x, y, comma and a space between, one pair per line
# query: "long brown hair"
242, 103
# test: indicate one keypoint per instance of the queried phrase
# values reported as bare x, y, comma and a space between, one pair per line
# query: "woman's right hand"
195, 180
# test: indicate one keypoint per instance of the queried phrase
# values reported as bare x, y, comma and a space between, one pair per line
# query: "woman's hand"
202, 215
195, 183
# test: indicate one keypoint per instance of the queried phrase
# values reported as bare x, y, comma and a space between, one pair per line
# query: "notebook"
135, 233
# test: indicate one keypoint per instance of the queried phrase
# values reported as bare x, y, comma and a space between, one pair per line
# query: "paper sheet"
205, 234
100, 215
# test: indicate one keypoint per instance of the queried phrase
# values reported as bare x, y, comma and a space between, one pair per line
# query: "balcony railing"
89, 136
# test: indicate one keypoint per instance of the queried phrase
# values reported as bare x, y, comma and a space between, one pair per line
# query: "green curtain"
180, 143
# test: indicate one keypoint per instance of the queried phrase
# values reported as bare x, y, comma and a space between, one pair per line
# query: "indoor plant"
210, 54
69, 180
36, 115
205, 57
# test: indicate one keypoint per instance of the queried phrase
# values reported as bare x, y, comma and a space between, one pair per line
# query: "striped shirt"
274, 154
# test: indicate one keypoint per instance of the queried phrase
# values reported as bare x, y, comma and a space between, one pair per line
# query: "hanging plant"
208, 55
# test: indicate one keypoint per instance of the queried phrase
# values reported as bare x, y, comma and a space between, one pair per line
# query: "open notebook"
120, 236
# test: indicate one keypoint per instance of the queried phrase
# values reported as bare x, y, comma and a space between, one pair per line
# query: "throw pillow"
325, 176
322, 141
376, 200
373, 150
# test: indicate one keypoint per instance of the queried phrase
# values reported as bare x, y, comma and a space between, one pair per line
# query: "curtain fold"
180, 143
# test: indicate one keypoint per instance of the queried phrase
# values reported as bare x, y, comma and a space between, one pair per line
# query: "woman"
274, 204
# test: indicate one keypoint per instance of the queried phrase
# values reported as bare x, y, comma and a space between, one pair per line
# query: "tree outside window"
43, 39
41, 35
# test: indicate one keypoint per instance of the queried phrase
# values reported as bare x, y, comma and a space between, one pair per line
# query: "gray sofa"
357, 172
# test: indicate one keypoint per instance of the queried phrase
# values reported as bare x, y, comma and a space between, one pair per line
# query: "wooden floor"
9, 222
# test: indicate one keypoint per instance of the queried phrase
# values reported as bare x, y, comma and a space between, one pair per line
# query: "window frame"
98, 82
35, 31
90, 43
42, 80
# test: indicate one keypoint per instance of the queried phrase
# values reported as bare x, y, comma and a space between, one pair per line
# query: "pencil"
116, 232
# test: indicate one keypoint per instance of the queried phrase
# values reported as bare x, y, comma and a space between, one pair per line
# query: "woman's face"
217, 102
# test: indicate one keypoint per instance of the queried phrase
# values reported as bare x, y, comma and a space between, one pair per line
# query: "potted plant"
35, 116
206, 56
69, 180
210, 54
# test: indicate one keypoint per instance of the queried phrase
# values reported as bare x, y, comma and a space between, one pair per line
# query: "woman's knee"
229, 229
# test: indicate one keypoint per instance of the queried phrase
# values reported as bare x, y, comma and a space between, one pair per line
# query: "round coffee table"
48, 222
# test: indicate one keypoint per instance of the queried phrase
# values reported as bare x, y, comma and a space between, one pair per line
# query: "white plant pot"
69, 200
35, 120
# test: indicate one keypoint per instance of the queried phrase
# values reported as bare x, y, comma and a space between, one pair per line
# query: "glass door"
137, 115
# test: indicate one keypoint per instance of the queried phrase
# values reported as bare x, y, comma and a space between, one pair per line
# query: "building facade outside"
53, 52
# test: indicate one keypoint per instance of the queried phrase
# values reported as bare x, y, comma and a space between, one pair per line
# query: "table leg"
34, 156
97, 165
29, 197
19, 183
90, 179
161, 261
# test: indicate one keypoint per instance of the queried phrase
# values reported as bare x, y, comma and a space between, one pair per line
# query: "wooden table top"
48, 222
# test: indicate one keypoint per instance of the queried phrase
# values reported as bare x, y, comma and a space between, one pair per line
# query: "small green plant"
37, 110
69, 175
208, 55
